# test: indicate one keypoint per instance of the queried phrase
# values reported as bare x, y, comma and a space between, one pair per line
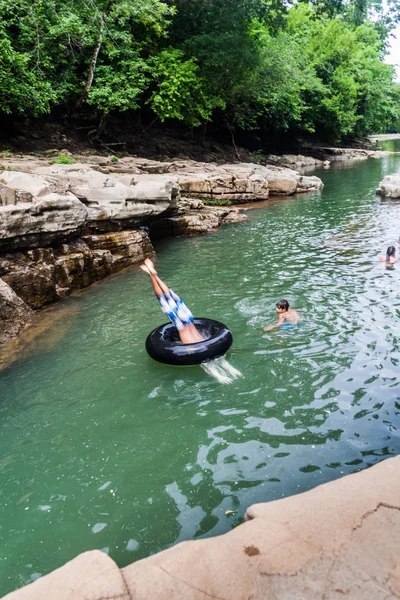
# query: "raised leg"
155, 278
188, 333
158, 290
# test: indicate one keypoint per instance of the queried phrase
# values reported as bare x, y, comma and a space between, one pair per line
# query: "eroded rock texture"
43, 275
238, 183
14, 313
36, 210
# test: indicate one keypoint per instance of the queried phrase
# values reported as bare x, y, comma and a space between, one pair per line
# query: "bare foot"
145, 269
150, 265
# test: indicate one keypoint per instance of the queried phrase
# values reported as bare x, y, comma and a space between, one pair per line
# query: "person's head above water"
282, 306
391, 251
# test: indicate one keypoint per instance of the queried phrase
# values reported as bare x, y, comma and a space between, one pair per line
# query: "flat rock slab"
339, 540
116, 196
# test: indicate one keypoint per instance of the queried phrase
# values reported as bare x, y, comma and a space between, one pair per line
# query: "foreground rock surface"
341, 539
389, 186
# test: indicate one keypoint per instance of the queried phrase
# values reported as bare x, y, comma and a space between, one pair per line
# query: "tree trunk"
95, 55
234, 144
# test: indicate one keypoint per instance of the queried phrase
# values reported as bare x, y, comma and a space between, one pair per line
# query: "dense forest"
314, 66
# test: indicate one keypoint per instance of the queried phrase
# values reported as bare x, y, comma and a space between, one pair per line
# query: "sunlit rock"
389, 186
119, 197
35, 210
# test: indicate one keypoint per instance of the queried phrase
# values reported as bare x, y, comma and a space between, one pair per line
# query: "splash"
221, 370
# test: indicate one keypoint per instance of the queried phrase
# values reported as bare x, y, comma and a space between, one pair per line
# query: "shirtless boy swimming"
286, 315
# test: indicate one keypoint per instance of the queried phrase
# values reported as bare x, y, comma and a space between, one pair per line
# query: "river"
103, 448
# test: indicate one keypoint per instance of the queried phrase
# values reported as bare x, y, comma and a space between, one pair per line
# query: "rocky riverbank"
69, 221
326, 155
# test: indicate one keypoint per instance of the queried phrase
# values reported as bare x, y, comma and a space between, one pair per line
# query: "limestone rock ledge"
65, 226
389, 187
339, 540
239, 183
36, 210
44, 275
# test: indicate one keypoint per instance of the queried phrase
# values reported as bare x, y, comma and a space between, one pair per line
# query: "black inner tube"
163, 343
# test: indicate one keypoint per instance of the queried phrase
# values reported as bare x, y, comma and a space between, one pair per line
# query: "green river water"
103, 448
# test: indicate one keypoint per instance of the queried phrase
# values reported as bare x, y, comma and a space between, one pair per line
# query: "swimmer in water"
173, 307
390, 257
286, 315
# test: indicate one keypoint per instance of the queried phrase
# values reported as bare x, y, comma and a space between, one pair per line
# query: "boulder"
204, 220
282, 181
34, 210
14, 313
389, 187
33, 185
236, 182
308, 183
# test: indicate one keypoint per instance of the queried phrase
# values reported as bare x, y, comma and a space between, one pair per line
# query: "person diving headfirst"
173, 306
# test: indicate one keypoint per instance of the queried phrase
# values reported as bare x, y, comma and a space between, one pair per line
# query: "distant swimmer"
286, 315
390, 257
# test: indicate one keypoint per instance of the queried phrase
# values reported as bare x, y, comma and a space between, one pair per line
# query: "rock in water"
389, 186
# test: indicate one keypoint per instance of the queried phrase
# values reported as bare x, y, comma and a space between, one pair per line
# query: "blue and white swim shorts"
176, 310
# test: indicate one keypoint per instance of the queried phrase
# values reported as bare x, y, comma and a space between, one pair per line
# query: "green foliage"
63, 159
114, 159
315, 67
257, 157
352, 91
217, 202
179, 90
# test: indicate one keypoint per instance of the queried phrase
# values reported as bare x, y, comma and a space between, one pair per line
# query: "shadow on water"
46, 331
